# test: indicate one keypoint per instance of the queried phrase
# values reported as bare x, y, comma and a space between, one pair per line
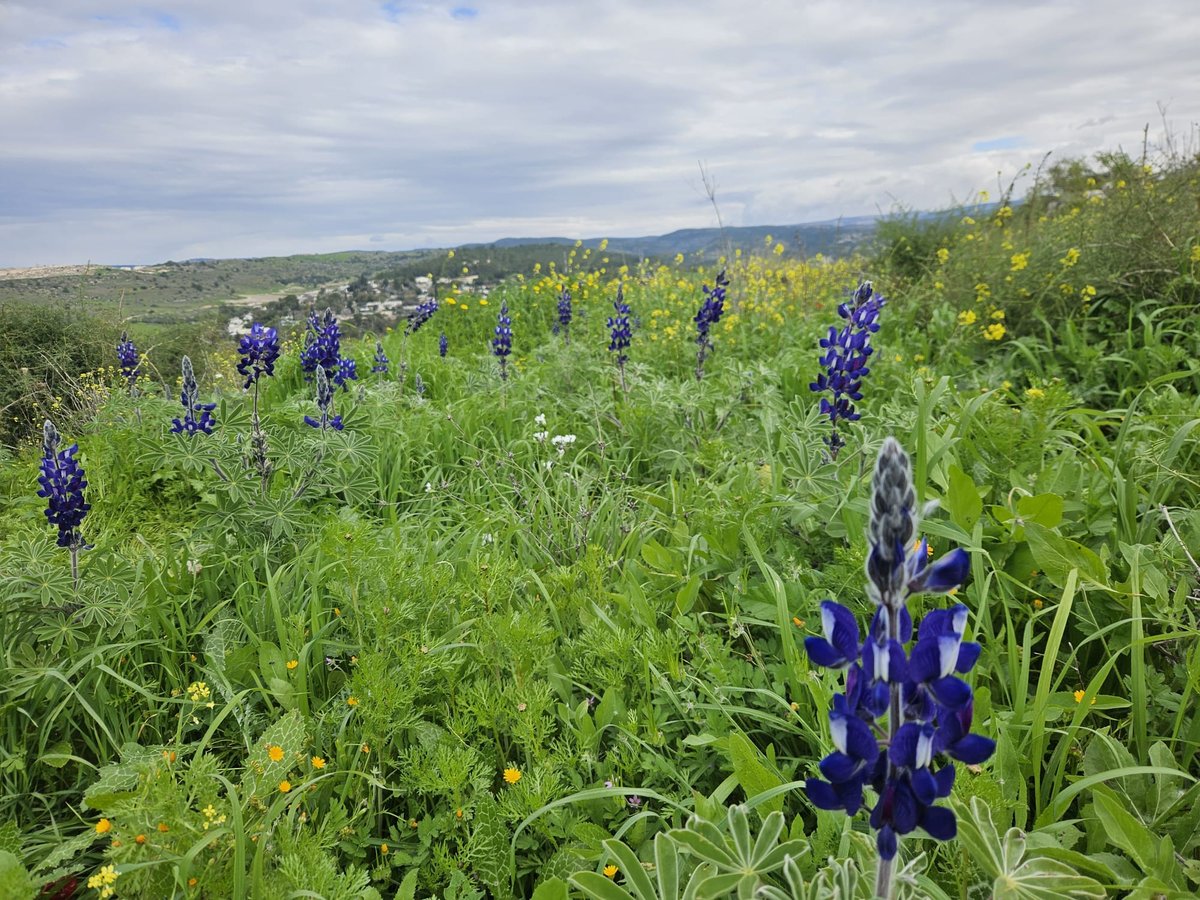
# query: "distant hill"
831, 238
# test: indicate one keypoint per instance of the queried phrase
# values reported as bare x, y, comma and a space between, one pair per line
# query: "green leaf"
1123, 829
597, 887
962, 501
1057, 556
752, 773
551, 889
1043, 509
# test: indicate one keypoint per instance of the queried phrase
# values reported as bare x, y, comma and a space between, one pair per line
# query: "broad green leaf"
752, 773
1042, 509
1057, 556
962, 501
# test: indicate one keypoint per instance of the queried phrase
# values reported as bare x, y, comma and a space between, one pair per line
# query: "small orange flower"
512, 774
383, 848
458, 813
275, 753
103, 826
140, 839
318, 762
285, 786
192, 882
1038, 604
352, 701
413, 823
162, 826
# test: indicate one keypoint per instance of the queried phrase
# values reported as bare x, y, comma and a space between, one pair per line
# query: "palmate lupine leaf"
1014, 876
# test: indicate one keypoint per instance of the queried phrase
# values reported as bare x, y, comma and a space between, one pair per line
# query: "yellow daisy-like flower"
275, 753
318, 762
352, 701
610, 871
1079, 695
103, 826
285, 786
292, 663
512, 775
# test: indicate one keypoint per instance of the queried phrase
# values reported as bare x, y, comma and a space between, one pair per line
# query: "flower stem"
886, 872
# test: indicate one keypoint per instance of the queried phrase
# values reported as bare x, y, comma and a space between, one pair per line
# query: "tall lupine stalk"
565, 313
259, 351
845, 361
381, 361
190, 397
347, 371
621, 333
63, 481
502, 342
902, 720
322, 345
422, 314
325, 406
443, 345
129, 360
708, 316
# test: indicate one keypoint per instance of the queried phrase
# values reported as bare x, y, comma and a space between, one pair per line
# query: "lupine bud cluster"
904, 717
708, 316
259, 351
127, 356
565, 312
621, 331
322, 345
845, 360
325, 405
443, 345
347, 371
502, 342
422, 314
190, 397
381, 360
62, 483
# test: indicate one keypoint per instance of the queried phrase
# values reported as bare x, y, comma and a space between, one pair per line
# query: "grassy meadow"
441, 654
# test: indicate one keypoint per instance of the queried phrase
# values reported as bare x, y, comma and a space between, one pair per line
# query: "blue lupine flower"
347, 371
914, 768
565, 312
443, 345
62, 483
190, 397
127, 356
422, 314
325, 405
621, 332
381, 360
708, 316
502, 342
322, 345
845, 360
418, 384
259, 350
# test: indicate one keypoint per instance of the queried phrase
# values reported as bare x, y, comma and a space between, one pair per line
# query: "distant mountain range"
835, 237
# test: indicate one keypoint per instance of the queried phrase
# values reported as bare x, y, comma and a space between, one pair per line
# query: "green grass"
435, 596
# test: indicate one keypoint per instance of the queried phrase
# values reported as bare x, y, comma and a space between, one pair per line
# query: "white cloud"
228, 128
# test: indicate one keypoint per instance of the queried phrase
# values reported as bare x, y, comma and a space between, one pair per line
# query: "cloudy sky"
140, 132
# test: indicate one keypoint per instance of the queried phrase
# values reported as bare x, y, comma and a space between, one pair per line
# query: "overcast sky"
140, 132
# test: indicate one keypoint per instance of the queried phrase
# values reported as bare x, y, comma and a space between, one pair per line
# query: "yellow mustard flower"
967, 317
197, 691
1071, 258
943, 255
1195, 257
104, 880
1035, 393
994, 332
1020, 261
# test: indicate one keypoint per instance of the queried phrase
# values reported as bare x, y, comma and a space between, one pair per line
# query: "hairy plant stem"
893, 605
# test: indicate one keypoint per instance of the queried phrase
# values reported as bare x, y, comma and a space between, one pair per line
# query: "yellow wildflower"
1035, 393
1079, 695
285, 786
1087, 291
512, 775
943, 255
103, 826
383, 848
966, 317
318, 762
1020, 261
275, 753
197, 691
1038, 603
1071, 258
1195, 257
104, 880
352, 701
292, 663
610, 871
994, 332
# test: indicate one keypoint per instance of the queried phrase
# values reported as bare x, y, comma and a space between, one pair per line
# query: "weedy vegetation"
629, 581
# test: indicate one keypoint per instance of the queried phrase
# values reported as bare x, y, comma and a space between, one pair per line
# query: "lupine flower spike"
325, 405
502, 342
190, 397
565, 313
845, 360
347, 371
62, 483
259, 352
708, 316
443, 345
621, 333
127, 356
322, 345
903, 719
381, 360
422, 314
